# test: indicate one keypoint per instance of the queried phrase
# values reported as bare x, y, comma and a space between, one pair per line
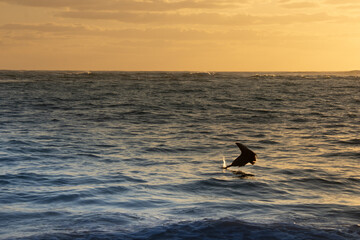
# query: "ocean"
138, 155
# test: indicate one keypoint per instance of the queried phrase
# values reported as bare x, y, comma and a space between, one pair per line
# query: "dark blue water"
138, 155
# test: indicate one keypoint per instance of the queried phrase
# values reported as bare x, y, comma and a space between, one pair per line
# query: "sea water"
138, 155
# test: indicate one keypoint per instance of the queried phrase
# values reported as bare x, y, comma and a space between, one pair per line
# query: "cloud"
167, 12
167, 33
345, 4
342, 1
350, 7
49, 31
46, 27
126, 5
196, 18
296, 5
30, 33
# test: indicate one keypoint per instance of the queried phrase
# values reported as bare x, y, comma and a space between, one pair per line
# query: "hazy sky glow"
196, 35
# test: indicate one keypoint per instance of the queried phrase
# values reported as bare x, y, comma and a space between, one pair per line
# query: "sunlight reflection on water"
123, 150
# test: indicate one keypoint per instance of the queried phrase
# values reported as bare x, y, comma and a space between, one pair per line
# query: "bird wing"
247, 156
242, 147
240, 161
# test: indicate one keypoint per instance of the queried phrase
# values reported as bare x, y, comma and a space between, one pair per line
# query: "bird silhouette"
246, 156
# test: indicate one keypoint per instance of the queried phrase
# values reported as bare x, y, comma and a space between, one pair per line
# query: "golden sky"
193, 35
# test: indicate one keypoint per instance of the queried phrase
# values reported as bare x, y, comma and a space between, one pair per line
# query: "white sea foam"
224, 162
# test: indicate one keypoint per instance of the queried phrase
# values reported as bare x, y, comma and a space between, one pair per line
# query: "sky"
180, 35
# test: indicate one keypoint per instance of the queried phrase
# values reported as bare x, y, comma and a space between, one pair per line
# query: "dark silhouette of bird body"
247, 156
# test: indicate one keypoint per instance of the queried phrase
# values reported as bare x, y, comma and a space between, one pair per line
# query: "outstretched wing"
240, 161
247, 156
242, 147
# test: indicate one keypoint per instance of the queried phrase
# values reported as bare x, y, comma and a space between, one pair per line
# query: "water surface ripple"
138, 155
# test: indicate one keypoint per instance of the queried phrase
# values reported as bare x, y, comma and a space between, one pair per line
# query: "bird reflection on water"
242, 175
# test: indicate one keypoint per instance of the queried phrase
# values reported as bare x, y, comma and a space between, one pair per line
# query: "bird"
246, 156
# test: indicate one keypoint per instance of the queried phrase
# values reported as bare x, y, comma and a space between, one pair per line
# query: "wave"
209, 229
103, 144
355, 141
236, 229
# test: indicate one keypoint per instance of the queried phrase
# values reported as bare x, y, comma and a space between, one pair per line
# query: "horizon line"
196, 71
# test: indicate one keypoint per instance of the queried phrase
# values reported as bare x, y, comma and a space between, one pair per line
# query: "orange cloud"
197, 18
158, 5
175, 34
46, 27
298, 5
179, 35
342, 1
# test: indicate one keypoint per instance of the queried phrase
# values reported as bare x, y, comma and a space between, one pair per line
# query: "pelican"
246, 156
